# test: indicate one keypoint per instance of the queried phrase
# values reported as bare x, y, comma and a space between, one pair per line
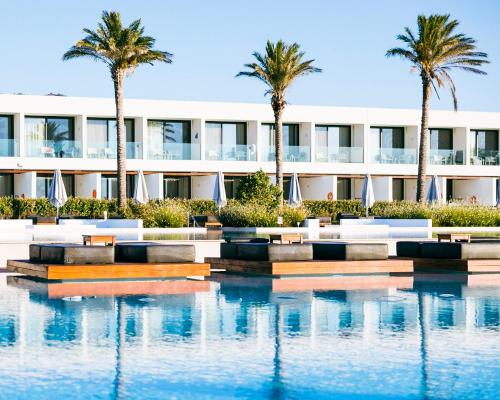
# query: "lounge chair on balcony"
47, 151
92, 152
109, 152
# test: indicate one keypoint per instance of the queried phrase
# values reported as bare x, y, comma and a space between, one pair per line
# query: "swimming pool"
241, 337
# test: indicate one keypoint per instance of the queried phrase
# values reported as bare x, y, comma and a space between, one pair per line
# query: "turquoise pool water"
429, 337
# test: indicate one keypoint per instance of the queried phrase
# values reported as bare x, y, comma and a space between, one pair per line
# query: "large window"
343, 188
333, 136
7, 148
6, 185
177, 187
398, 189
231, 184
441, 139
50, 137
43, 182
109, 186
169, 140
388, 138
227, 141
290, 134
484, 147
101, 138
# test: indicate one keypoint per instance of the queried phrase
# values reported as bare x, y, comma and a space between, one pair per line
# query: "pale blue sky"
211, 40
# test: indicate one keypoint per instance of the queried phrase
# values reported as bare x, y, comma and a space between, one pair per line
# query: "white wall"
202, 187
154, 183
382, 188
317, 188
484, 189
25, 185
85, 185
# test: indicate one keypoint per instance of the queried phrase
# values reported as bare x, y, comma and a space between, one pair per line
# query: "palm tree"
122, 49
278, 68
434, 53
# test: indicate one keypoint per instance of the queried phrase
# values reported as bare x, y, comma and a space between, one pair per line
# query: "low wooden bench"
287, 238
92, 240
454, 237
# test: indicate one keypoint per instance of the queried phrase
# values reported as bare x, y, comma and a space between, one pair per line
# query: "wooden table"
286, 238
454, 237
91, 240
213, 225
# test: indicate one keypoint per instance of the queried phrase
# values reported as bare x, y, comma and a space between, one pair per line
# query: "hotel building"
181, 146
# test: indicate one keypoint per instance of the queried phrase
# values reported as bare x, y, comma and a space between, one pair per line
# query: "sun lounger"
266, 251
150, 252
71, 254
350, 251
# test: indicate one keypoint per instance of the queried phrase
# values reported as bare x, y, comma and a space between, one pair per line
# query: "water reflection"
386, 337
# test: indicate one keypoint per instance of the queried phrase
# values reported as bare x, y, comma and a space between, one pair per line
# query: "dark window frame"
132, 120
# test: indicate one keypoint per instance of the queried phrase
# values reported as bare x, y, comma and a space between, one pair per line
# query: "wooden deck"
57, 290
465, 266
108, 271
390, 266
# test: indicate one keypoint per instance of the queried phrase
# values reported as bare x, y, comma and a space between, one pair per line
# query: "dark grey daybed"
71, 254
150, 252
267, 251
479, 250
350, 251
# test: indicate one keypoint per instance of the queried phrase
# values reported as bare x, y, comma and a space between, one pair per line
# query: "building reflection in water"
422, 316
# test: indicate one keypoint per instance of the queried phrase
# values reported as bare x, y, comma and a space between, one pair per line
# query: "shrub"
257, 188
294, 216
237, 214
329, 208
162, 214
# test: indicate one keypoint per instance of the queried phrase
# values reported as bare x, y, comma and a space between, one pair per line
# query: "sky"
212, 40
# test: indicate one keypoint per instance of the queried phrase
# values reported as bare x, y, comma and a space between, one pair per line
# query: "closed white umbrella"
219, 195
498, 193
294, 197
367, 196
57, 191
434, 192
141, 190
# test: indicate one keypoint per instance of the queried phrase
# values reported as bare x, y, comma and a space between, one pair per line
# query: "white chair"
109, 152
47, 151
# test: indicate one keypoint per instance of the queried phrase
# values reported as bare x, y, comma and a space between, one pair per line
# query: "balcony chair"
47, 151
92, 152
475, 160
109, 152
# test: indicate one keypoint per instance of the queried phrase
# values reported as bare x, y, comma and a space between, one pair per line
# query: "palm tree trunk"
121, 158
278, 129
424, 140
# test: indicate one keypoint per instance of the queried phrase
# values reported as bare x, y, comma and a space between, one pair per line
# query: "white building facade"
180, 146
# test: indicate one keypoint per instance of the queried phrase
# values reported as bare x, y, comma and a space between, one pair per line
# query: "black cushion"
408, 249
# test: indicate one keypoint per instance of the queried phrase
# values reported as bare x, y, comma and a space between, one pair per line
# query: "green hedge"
174, 213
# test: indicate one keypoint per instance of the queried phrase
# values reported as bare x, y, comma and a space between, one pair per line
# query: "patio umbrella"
57, 191
498, 193
141, 190
434, 192
294, 197
367, 197
219, 195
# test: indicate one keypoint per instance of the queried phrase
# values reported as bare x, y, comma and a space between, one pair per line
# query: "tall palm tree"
434, 53
122, 49
278, 68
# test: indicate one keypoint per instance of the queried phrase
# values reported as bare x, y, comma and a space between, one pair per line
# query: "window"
43, 182
226, 133
290, 134
333, 136
109, 186
343, 188
441, 139
177, 187
166, 140
388, 138
398, 189
6, 136
484, 143
231, 184
6, 185
103, 131
449, 190
50, 137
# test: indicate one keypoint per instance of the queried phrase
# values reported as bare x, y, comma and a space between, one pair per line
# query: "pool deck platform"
450, 265
315, 267
108, 271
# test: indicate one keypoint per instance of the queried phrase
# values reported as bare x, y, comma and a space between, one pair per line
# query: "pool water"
428, 337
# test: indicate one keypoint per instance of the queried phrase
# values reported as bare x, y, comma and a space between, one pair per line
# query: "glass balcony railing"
394, 156
445, 157
104, 150
175, 151
339, 154
240, 152
9, 148
290, 153
486, 157
53, 148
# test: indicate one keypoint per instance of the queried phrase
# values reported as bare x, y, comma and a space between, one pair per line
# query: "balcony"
290, 153
445, 157
486, 157
54, 149
9, 148
239, 152
107, 150
339, 154
395, 156
175, 151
